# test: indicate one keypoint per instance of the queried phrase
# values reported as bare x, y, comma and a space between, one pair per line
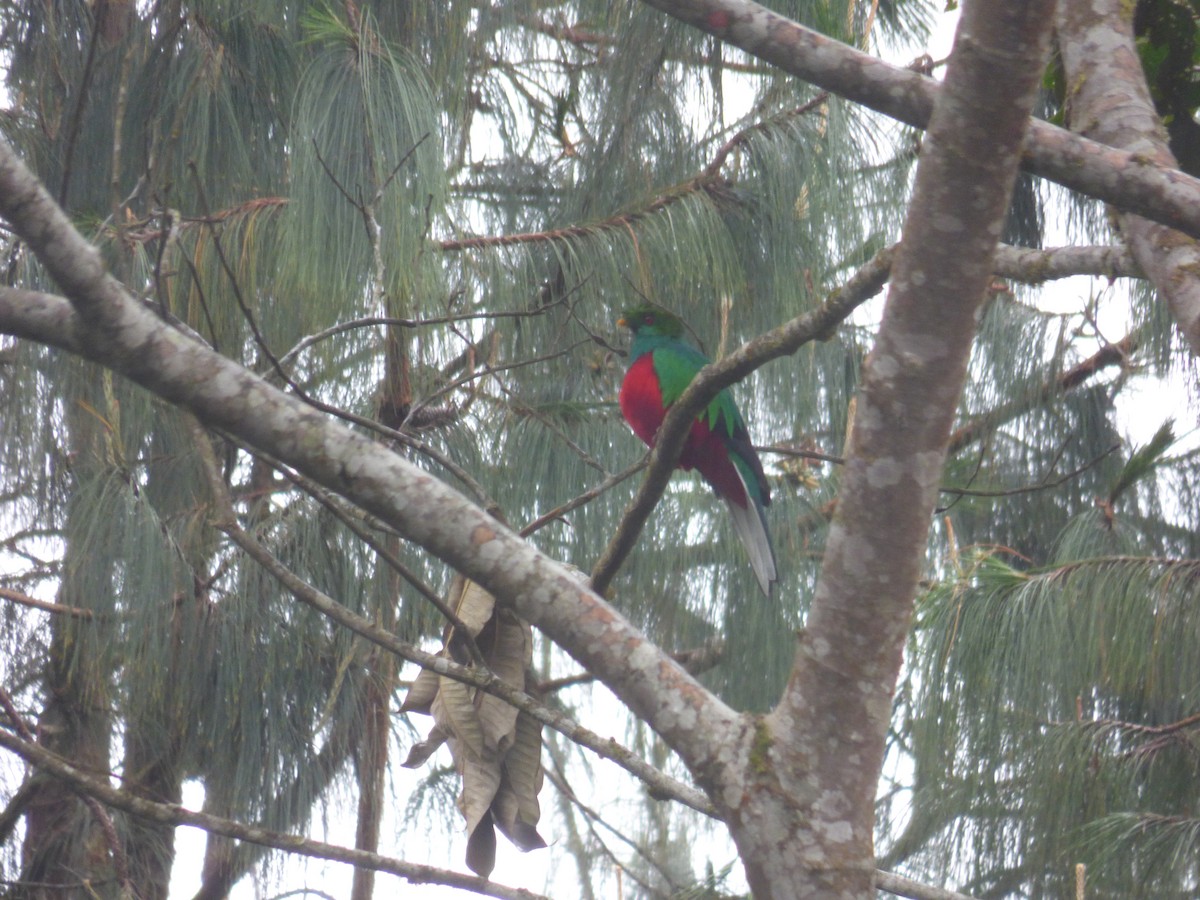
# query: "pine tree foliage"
424, 217
1055, 703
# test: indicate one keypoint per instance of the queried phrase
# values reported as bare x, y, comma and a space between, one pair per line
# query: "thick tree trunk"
64, 844
152, 771
798, 788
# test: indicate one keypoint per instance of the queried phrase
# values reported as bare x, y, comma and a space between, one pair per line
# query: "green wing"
676, 365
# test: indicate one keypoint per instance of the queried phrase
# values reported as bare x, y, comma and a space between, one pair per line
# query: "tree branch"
1116, 354
96, 787
45, 605
1110, 101
906, 887
782, 341
1031, 266
657, 783
849, 655
1144, 186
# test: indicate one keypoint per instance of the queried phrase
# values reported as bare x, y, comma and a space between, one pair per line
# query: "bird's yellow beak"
622, 322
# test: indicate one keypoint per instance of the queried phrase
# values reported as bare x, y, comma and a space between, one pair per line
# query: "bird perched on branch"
662, 364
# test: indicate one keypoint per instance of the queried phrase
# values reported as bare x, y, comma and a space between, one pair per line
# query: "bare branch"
1037, 266
1110, 101
587, 496
1158, 192
45, 605
170, 814
906, 887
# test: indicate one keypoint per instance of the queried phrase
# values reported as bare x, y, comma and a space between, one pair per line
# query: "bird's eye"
648, 318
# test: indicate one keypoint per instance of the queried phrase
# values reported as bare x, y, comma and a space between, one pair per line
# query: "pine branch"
709, 181
1043, 484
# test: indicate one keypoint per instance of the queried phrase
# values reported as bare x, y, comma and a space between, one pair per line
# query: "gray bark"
829, 730
1130, 181
1109, 101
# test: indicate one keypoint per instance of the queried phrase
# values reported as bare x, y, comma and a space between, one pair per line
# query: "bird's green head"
651, 321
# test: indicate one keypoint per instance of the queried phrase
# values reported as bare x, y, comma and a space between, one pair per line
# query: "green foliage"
497, 184
1054, 707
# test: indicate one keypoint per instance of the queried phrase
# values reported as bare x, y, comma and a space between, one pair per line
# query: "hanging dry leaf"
418, 753
496, 749
474, 607
509, 655
516, 808
421, 693
481, 848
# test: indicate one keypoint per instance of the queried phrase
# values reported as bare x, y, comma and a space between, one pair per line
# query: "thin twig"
1042, 485
259, 338
76, 119
395, 563
394, 322
14, 716
695, 661
558, 778
1109, 355
574, 503
491, 370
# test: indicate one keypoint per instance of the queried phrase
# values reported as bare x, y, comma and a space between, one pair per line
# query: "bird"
661, 365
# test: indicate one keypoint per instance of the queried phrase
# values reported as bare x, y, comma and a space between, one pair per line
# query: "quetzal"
661, 366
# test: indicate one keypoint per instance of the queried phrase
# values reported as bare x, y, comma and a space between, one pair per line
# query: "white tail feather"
751, 526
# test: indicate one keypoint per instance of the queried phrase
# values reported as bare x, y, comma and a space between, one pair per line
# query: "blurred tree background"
426, 217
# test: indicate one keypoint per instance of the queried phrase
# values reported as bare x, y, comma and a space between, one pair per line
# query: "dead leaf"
496, 748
